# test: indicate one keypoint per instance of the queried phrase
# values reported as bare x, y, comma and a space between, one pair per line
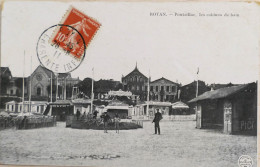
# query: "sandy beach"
180, 144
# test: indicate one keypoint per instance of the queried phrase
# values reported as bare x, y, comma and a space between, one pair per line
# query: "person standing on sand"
78, 114
156, 120
106, 118
117, 120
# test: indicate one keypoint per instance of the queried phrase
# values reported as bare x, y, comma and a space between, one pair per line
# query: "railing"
167, 117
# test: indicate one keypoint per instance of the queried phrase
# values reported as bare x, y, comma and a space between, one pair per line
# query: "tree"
85, 86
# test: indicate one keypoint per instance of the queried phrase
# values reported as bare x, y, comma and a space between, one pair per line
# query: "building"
140, 110
26, 106
41, 83
135, 82
232, 109
61, 109
188, 92
82, 105
163, 90
15, 88
121, 103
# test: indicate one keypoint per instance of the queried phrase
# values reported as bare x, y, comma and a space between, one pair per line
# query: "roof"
81, 101
33, 102
167, 80
117, 107
3, 70
64, 75
157, 103
11, 102
49, 72
179, 104
62, 102
119, 93
219, 93
137, 71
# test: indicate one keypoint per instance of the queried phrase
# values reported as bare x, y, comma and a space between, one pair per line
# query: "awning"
158, 103
179, 105
81, 101
119, 93
61, 103
117, 107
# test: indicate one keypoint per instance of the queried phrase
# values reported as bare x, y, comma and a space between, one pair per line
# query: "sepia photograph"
129, 84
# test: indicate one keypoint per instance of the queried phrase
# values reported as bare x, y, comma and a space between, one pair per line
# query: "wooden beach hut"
232, 109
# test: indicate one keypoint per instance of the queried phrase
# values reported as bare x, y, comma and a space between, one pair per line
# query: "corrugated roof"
219, 93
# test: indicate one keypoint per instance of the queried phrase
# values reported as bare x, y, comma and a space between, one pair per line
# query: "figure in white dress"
71, 41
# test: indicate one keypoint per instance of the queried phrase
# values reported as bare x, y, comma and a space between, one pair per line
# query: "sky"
225, 49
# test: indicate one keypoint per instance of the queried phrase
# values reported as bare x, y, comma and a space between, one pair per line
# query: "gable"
163, 81
135, 72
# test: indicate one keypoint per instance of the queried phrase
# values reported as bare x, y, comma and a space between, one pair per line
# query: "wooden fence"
27, 122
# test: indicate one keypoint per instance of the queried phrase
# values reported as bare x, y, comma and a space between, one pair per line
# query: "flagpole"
57, 88
23, 82
197, 90
92, 88
65, 89
30, 95
51, 87
50, 112
148, 94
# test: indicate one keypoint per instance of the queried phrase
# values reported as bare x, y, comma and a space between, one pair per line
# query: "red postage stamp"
78, 26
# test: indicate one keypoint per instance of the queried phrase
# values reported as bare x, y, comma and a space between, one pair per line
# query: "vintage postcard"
129, 84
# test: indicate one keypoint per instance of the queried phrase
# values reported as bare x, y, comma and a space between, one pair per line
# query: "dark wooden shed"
232, 109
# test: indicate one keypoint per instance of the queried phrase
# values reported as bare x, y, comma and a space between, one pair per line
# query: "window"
137, 87
145, 88
135, 78
157, 88
39, 91
141, 79
133, 88
167, 98
162, 88
131, 79
168, 88
173, 88
11, 91
151, 88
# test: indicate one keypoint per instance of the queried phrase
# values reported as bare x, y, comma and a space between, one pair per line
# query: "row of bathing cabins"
231, 109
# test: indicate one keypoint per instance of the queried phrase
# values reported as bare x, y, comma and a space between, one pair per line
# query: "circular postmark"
245, 161
61, 48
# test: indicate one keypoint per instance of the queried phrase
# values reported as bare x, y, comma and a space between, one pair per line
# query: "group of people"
106, 118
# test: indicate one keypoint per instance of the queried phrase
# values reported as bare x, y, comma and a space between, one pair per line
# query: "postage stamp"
61, 48
69, 38
55, 58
